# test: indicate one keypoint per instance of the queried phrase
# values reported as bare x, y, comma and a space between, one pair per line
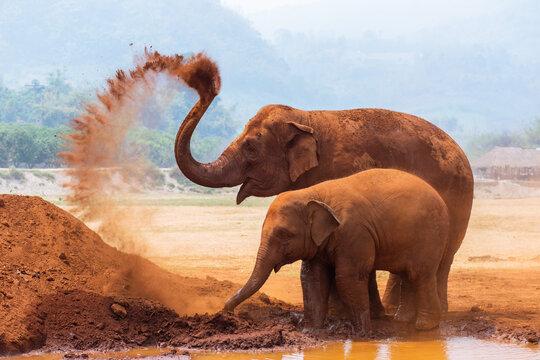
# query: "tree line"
528, 137
33, 120
28, 145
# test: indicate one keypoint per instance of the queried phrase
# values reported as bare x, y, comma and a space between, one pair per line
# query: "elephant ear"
301, 149
322, 220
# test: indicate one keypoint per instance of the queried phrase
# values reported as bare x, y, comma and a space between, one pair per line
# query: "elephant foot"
426, 322
404, 315
317, 332
363, 325
310, 323
390, 310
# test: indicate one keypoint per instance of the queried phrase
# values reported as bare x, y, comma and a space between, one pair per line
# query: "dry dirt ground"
495, 277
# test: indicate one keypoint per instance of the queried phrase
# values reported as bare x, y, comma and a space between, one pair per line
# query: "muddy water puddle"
449, 349
457, 348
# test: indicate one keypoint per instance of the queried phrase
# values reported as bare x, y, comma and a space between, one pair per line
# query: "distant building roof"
509, 156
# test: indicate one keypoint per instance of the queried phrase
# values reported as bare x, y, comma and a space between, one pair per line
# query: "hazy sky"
349, 18
473, 61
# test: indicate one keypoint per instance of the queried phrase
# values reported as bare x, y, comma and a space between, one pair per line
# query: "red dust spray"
103, 172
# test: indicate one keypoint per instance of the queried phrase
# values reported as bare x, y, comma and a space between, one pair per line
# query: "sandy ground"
503, 240
496, 271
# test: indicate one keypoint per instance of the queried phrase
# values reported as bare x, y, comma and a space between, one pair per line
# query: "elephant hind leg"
442, 281
427, 301
392, 293
406, 310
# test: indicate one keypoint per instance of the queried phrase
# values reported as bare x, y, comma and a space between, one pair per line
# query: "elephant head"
293, 229
272, 152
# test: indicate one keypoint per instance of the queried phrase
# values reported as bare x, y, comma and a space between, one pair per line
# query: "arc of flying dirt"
93, 150
97, 134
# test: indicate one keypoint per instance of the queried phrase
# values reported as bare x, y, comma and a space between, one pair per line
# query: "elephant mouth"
253, 187
256, 187
244, 191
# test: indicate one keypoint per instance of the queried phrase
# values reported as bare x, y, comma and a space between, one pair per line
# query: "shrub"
154, 176
44, 175
177, 175
13, 174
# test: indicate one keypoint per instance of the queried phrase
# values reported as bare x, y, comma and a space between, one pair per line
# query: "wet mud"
87, 321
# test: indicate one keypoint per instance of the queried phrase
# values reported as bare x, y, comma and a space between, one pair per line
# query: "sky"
474, 62
349, 18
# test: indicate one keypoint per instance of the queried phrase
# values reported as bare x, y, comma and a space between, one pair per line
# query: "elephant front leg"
315, 278
392, 293
353, 290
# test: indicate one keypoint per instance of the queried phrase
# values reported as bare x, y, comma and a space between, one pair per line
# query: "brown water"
457, 348
449, 349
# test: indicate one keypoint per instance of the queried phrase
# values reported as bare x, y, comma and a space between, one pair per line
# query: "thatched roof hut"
508, 163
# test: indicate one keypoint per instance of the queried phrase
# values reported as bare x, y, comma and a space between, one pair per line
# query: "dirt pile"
77, 320
58, 280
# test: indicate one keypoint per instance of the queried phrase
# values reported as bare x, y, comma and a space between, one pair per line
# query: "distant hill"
459, 76
91, 39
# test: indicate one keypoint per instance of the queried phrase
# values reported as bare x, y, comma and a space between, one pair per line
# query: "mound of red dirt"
78, 320
62, 287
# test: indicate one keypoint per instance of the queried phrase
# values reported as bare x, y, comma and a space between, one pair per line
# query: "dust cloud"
103, 169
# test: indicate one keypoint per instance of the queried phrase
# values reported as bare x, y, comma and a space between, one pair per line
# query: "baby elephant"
379, 219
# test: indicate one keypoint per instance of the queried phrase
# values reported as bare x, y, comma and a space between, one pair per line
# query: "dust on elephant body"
379, 219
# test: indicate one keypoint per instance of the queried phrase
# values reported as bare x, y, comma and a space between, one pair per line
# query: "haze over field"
470, 68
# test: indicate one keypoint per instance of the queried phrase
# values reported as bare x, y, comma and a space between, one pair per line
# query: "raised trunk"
258, 277
226, 171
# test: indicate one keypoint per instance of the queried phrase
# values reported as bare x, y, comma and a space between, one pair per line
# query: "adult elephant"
283, 148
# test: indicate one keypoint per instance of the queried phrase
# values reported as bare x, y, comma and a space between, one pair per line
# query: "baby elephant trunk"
258, 277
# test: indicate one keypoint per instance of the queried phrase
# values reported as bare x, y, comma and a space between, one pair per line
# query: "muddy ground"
63, 288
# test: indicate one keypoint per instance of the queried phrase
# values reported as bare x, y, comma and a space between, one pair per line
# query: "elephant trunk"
226, 171
261, 272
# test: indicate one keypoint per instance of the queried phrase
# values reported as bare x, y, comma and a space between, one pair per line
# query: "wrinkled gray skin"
283, 148
377, 219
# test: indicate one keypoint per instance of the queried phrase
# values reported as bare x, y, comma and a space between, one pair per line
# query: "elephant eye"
284, 234
259, 134
250, 148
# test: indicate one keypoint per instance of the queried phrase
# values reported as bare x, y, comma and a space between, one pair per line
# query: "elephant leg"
315, 277
442, 281
406, 310
427, 302
354, 291
392, 293
376, 308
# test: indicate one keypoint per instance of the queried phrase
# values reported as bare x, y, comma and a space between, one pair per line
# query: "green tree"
528, 137
52, 104
27, 145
